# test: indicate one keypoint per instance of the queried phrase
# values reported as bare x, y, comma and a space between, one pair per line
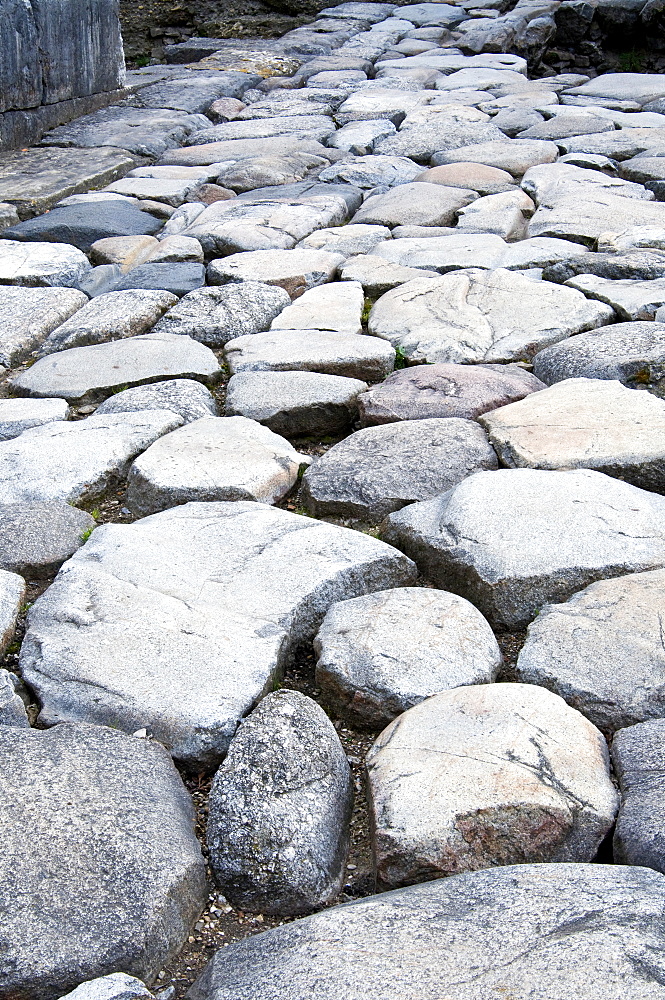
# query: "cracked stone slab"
549, 183
637, 756
478, 315
189, 399
316, 127
68, 460
210, 598
293, 270
101, 368
381, 469
36, 536
572, 648
213, 458
513, 540
335, 306
145, 131
377, 275
583, 221
29, 315
630, 299
17, 415
370, 668
456, 250
486, 775
35, 264
120, 876
326, 351
584, 423
12, 595
478, 933
214, 316
109, 317
346, 240
271, 169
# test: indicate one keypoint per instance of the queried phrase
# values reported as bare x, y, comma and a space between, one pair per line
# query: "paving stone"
189, 399
214, 316
34, 180
566, 125
639, 87
584, 424
177, 278
370, 668
293, 270
515, 156
70, 460
632, 300
633, 266
377, 275
505, 928
109, 317
236, 149
425, 142
127, 251
381, 469
368, 172
638, 763
116, 986
415, 204
361, 138
36, 536
36, 264
12, 595
101, 368
584, 220
193, 94
17, 415
121, 876
335, 306
455, 251
442, 390
317, 127
487, 775
280, 807
171, 191
29, 315
477, 315
328, 352
472, 176
570, 647
229, 634
213, 458
12, 709
632, 353
174, 249
347, 240
8, 215
643, 169
83, 224
519, 120
295, 402
513, 540
551, 183
295, 106
145, 131
371, 105
262, 171
505, 214
620, 144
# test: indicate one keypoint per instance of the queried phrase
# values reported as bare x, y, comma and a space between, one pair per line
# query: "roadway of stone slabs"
376, 231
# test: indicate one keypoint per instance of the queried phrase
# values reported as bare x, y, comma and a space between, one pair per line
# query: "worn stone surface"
84, 224
214, 316
371, 668
478, 315
213, 458
368, 172
334, 306
189, 399
127, 251
293, 270
119, 871
378, 470
472, 176
29, 315
377, 275
145, 131
513, 540
17, 415
12, 594
515, 156
571, 649
209, 597
280, 805
487, 775
12, 707
413, 204
477, 933
101, 368
346, 240
41, 264
452, 251
630, 299
295, 402
36, 536
444, 391
116, 986
326, 351
637, 756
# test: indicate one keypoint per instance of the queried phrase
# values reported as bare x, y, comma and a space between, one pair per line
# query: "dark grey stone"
637, 265
179, 278
638, 755
280, 805
184, 396
20, 68
104, 840
193, 94
548, 930
216, 315
84, 224
145, 131
100, 279
38, 535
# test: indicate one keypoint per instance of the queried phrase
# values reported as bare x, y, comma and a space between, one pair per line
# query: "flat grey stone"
316, 127
513, 540
505, 928
29, 315
361, 138
100, 368
639, 87
642, 169
566, 125
478, 315
262, 171
177, 249
550, 183
456, 250
193, 94
127, 251
36, 536
428, 141
295, 402
178, 278
487, 775
294, 270
377, 275
68, 460
12, 708
12, 595
346, 240
145, 131
206, 645
630, 299
637, 756
515, 156
113, 316
335, 306
571, 648
214, 316
116, 986
505, 214
280, 806
213, 458
17, 415
415, 204
120, 876
189, 399
172, 191
83, 224
41, 264
632, 353
378, 470
442, 390
638, 265
584, 220
372, 105
370, 668
237, 149
368, 172
326, 351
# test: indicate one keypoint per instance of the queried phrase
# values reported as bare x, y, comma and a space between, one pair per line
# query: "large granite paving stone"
214, 316
83, 224
326, 351
38, 264
113, 316
17, 415
334, 306
191, 614
189, 399
630, 299
415, 204
29, 315
36, 536
145, 131
294, 270
12, 595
